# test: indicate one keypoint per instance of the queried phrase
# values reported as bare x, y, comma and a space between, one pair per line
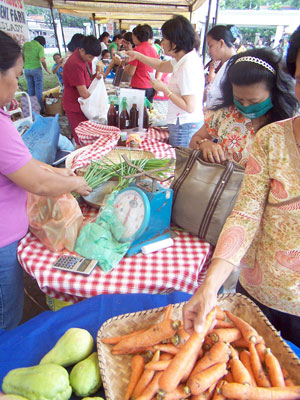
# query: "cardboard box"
53, 104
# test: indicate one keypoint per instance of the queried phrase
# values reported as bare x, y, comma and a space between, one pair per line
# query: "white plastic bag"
95, 106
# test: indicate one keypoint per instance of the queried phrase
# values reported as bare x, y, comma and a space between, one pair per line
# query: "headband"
257, 61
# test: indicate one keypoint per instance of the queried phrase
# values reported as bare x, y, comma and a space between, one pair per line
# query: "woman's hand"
212, 152
64, 171
81, 186
196, 309
159, 86
133, 55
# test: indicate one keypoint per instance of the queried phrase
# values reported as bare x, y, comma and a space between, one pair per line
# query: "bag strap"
188, 166
212, 204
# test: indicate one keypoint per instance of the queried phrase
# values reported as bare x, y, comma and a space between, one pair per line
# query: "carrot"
165, 356
168, 312
245, 358
220, 314
145, 379
234, 355
185, 359
274, 369
223, 324
218, 392
244, 392
218, 353
160, 365
134, 350
225, 335
260, 377
181, 392
239, 372
207, 344
180, 337
167, 348
153, 335
228, 377
202, 396
261, 351
288, 381
151, 389
117, 339
201, 381
137, 368
248, 332
240, 343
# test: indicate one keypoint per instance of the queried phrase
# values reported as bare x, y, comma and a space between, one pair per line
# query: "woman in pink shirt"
19, 174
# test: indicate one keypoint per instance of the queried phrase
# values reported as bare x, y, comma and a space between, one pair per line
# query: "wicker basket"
115, 370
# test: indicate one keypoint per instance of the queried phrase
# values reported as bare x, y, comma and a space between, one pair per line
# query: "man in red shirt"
77, 78
139, 71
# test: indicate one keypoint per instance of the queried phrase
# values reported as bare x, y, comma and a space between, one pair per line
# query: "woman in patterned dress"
262, 234
256, 92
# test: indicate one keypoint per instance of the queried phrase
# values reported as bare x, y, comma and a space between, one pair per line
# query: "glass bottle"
119, 74
123, 115
112, 119
145, 118
134, 116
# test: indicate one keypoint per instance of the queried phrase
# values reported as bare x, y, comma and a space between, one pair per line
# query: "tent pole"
217, 11
206, 30
191, 12
62, 32
94, 23
54, 26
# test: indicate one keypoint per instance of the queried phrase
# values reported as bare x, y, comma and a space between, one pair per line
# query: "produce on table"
11, 397
105, 169
242, 369
41, 382
93, 398
75, 345
85, 376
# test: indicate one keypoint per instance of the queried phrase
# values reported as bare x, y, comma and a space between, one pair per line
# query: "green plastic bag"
100, 240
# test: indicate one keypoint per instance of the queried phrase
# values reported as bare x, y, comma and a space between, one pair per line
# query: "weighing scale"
144, 208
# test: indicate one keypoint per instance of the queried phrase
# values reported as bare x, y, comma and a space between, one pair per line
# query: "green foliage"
248, 34
256, 4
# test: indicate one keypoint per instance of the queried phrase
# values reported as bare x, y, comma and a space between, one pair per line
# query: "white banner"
13, 20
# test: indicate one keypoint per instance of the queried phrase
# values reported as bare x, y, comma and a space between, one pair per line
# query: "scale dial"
132, 207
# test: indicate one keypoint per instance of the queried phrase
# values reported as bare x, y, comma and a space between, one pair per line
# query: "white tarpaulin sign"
13, 20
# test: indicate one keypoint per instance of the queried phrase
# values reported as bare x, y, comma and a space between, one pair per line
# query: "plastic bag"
100, 240
42, 138
96, 105
55, 221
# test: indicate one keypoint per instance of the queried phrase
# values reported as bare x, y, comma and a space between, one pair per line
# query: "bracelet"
202, 141
169, 94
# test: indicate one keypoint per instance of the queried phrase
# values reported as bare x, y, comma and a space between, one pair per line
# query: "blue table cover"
28, 343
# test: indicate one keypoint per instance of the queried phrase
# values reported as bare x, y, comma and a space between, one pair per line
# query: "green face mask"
254, 110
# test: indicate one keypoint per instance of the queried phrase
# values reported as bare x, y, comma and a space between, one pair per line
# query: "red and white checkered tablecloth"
180, 267
88, 132
106, 143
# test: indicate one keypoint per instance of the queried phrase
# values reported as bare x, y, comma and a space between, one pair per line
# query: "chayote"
85, 376
41, 382
74, 345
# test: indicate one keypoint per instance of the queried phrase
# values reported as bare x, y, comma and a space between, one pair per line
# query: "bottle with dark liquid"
145, 118
123, 115
134, 116
112, 118
119, 74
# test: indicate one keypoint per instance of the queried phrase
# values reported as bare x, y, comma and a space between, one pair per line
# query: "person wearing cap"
262, 233
34, 59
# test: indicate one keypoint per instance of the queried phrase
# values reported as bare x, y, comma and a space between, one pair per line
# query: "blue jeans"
181, 135
11, 287
34, 78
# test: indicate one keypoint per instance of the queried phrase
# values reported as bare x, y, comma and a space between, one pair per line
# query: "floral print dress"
234, 132
263, 231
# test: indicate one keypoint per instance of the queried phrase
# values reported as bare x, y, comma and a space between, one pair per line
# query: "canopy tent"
130, 11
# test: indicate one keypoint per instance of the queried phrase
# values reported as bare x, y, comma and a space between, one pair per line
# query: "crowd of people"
246, 112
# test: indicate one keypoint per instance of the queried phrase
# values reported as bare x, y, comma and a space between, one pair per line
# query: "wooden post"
94, 23
62, 32
54, 26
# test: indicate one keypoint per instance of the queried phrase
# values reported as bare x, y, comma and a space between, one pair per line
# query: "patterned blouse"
234, 132
264, 226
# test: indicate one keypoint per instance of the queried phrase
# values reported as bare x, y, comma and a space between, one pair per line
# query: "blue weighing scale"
144, 208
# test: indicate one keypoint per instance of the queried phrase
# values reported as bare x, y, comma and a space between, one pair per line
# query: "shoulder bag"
203, 193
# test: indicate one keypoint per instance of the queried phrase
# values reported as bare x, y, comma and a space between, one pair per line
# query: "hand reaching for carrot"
196, 309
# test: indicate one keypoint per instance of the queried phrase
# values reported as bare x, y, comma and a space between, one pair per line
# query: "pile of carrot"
227, 360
